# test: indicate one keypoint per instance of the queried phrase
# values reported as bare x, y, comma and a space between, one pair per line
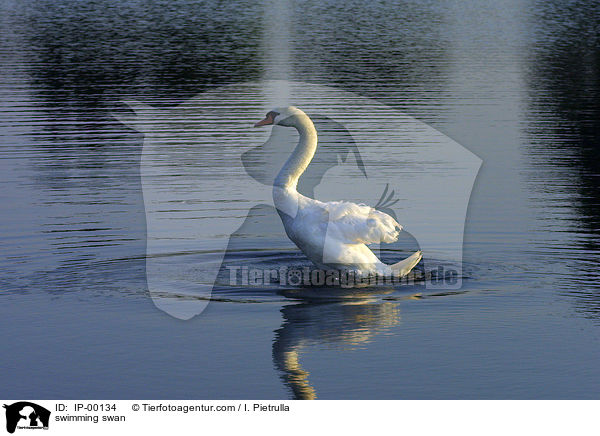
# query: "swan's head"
282, 116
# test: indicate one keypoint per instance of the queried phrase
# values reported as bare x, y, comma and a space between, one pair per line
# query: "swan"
333, 235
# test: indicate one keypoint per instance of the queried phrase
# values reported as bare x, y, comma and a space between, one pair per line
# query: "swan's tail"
403, 267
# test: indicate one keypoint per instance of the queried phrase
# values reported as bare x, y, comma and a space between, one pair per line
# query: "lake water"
517, 83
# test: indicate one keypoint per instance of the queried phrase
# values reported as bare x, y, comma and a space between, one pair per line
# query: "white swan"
333, 235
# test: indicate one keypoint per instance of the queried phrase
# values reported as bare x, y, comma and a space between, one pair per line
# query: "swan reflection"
343, 325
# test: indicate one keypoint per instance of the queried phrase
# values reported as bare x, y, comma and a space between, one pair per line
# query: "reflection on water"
78, 52
341, 325
515, 82
564, 135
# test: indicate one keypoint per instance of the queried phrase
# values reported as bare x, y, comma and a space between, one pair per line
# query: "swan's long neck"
301, 156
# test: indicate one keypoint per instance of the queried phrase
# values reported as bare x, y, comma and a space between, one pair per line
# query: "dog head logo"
24, 414
203, 169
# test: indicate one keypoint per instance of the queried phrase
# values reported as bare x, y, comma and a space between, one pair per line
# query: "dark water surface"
517, 83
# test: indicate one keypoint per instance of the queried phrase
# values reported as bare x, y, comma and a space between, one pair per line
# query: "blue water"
516, 83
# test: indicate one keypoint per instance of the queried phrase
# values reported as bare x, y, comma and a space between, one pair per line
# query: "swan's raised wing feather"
358, 223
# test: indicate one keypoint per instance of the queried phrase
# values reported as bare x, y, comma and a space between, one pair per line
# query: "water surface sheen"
516, 83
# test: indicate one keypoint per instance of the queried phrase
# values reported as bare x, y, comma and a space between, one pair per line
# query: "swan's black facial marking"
269, 119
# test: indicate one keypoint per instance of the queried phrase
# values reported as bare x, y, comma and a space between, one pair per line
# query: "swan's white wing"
358, 223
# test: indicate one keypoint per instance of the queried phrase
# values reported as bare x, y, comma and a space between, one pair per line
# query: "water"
516, 83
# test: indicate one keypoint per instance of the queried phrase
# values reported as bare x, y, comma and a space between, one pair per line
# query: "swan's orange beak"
269, 119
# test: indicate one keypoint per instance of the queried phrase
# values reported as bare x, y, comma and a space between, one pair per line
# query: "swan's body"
335, 234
